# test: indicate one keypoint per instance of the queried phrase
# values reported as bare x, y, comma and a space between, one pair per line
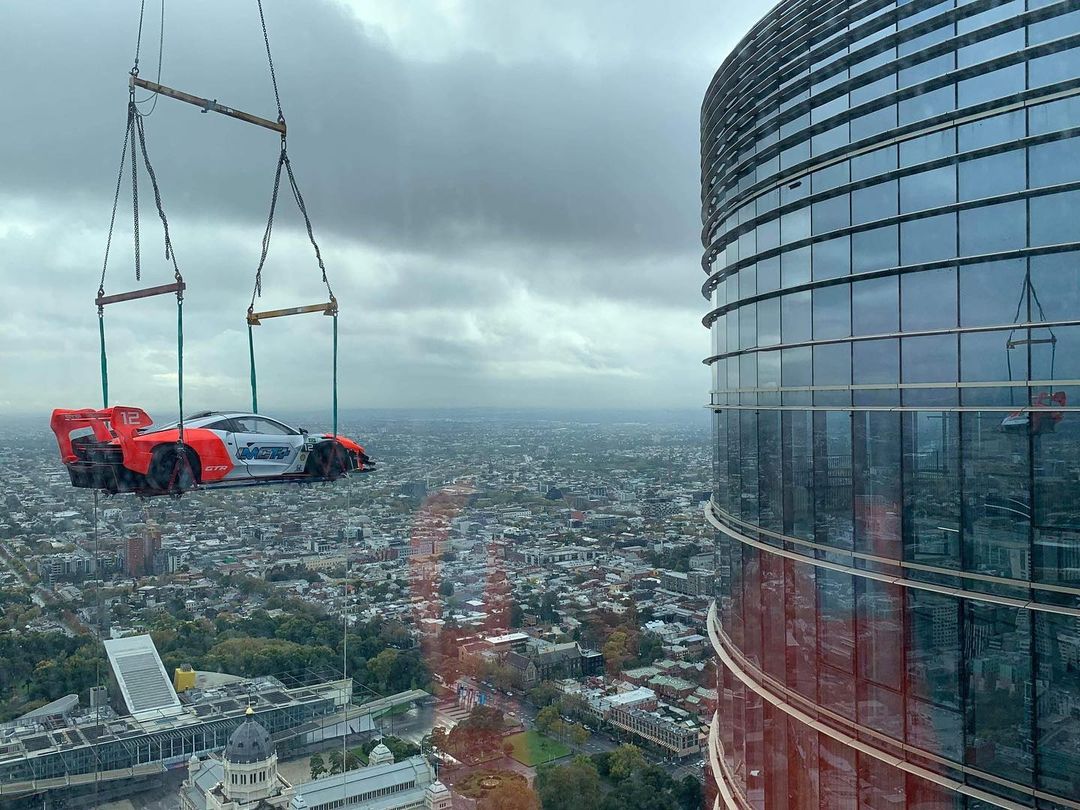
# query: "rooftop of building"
93, 726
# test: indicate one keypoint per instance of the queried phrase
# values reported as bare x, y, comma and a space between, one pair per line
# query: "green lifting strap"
335, 372
180, 364
254, 386
104, 361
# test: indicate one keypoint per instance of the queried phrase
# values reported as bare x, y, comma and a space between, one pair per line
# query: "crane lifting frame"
208, 105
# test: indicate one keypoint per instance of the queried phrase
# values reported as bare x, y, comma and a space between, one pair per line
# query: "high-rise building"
141, 551
891, 208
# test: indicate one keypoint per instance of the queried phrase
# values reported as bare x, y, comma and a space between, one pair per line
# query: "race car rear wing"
118, 422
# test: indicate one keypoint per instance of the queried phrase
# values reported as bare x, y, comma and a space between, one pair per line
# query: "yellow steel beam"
329, 308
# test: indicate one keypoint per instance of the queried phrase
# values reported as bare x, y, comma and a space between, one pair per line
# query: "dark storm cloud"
407, 154
505, 193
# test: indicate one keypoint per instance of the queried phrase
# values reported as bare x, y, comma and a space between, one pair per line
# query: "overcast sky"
505, 193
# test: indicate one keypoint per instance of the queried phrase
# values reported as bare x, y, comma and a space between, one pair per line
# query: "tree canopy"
617, 780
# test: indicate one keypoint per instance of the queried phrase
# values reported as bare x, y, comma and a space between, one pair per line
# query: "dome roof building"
249, 743
380, 755
246, 777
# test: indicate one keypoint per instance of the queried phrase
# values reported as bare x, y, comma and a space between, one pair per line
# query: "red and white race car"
119, 449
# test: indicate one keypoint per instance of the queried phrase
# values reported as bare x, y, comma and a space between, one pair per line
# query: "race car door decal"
265, 446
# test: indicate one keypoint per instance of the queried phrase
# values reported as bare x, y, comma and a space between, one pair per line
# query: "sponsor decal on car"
263, 453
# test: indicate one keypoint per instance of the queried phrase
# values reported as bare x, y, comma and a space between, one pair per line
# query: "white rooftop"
508, 638
145, 685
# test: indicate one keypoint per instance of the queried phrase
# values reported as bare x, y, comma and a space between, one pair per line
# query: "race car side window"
226, 425
268, 427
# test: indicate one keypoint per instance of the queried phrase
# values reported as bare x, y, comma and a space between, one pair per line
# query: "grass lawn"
532, 748
479, 784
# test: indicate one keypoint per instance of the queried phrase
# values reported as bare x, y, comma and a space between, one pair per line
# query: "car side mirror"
304, 431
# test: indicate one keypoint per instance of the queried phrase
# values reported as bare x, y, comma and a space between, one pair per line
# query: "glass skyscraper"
891, 209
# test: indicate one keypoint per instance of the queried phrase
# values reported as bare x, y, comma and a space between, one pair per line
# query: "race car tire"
328, 460
170, 472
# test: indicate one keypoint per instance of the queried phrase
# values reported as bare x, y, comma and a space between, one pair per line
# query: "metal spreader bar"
134, 295
207, 105
329, 308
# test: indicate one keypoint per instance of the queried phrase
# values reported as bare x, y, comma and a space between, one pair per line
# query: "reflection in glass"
998, 657
932, 488
875, 306
928, 299
997, 498
934, 717
875, 250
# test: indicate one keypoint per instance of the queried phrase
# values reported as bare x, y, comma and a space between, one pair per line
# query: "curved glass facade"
891, 209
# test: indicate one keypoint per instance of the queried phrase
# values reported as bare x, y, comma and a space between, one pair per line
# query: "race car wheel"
328, 460
173, 471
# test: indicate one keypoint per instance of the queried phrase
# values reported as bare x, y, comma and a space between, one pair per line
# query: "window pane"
876, 362
875, 306
1003, 83
747, 327
831, 258
929, 359
1057, 67
768, 274
832, 498
873, 123
830, 177
874, 250
928, 239
874, 202
928, 189
992, 175
933, 669
927, 105
1055, 162
795, 312
999, 690
876, 480
768, 321
932, 488
832, 364
829, 215
1055, 116
799, 520
832, 312
993, 228
795, 267
795, 225
988, 131
1056, 280
928, 147
1056, 638
873, 163
797, 367
1054, 220
768, 235
997, 499
928, 299
768, 368
991, 291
